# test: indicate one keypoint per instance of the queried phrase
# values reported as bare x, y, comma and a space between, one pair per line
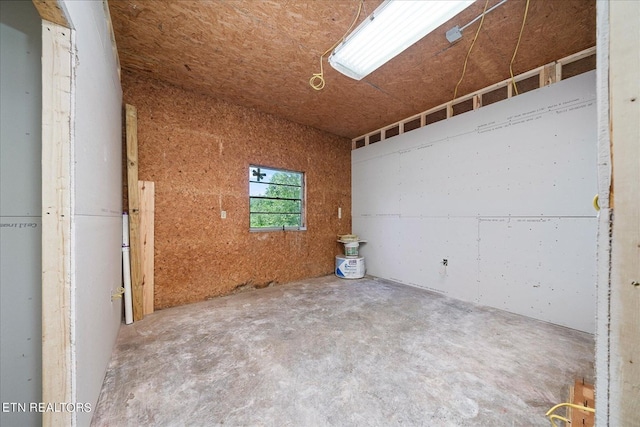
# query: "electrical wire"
317, 80
464, 68
524, 20
557, 417
553, 417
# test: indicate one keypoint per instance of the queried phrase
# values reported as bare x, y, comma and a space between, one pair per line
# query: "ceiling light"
390, 29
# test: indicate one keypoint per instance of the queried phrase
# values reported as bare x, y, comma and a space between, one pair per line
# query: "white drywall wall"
503, 193
96, 200
20, 211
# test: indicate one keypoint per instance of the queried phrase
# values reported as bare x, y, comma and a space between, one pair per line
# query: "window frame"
303, 200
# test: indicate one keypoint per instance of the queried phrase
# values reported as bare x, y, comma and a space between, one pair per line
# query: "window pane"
273, 190
276, 206
275, 198
276, 220
258, 174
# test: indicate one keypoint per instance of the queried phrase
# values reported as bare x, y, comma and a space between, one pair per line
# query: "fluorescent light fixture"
390, 29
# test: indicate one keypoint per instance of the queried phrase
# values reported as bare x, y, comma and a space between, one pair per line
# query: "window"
276, 199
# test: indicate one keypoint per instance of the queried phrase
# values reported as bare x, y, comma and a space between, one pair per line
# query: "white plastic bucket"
350, 268
351, 249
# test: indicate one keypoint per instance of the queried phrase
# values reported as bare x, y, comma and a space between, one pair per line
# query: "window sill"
271, 229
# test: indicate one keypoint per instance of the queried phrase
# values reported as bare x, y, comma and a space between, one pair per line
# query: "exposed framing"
58, 369
548, 74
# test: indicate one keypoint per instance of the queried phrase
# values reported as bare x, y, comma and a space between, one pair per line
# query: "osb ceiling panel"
261, 54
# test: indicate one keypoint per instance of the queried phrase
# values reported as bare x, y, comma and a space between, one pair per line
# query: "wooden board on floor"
134, 210
582, 394
147, 211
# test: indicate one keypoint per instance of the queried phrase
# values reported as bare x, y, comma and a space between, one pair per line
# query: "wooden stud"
147, 211
449, 110
52, 11
581, 394
57, 301
477, 101
548, 74
131, 118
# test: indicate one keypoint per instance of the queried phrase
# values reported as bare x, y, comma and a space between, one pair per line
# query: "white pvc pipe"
126, 270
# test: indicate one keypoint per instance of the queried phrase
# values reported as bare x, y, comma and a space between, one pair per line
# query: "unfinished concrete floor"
333, 352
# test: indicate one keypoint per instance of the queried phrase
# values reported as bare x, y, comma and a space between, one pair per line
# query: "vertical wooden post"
548, 74
477, 101
147, 211
131, 118
57, 301
558, 72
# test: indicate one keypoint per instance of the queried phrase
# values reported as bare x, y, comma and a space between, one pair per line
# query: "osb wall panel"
197, 150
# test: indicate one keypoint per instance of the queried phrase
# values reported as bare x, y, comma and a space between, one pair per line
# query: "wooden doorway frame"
58, 364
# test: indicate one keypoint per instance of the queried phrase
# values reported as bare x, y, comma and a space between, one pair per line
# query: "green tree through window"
276, 198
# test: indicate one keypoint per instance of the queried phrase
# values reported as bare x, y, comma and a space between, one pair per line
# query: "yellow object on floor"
581, 407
